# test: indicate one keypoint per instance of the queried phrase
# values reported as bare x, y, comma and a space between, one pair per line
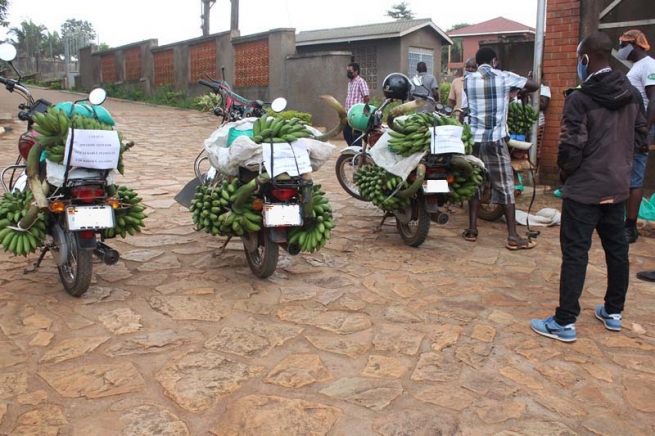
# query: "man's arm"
365, 92
452, 98
573, 136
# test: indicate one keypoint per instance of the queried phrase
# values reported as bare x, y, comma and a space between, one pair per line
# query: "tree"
52, 45
28, 39
400, 11
77, 34
4, 5
457, 26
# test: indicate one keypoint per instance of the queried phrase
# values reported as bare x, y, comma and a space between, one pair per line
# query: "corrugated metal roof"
392, 29
495, 26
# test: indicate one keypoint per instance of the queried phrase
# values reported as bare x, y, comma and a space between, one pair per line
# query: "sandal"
519, 243
470, 235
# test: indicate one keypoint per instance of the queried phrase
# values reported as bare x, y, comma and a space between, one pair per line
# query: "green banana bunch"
279, 129
22, 226
53, 126
412, 134
521, 118
315, 234
225, 209
377, 186
129, 216
463, 188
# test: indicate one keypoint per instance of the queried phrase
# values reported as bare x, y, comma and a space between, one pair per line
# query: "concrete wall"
305, 85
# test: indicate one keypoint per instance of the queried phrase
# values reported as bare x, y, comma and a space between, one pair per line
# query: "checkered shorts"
497, 160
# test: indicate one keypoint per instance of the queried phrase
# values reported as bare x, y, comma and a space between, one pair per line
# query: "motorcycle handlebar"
211, 85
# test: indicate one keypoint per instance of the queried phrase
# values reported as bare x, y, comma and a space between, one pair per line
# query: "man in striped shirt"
487, 91
357, 93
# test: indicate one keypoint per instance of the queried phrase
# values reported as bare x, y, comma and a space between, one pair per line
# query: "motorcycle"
66, 218
265, 206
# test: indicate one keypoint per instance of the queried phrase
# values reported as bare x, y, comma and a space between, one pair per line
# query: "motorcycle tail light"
86, 234
450, 179
25, 144
284, 194
435, 170
257, 204
57, 206
88, 194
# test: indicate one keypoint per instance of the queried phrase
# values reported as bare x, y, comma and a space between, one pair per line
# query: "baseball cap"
637, 37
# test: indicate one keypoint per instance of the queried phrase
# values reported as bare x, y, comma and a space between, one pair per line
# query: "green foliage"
207, 102
287, 115
4, 5
444, 90
400, 11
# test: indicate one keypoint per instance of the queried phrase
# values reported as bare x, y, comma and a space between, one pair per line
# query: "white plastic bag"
55, 174
392, 162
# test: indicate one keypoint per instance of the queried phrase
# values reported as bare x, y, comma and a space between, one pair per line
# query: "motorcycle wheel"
487, 210
415, 232
345, 170
76, 272
263, 260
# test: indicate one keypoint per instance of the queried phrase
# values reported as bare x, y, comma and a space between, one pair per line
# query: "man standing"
487, 91
457, 87
357, 93
425, 85
602, 122
633, 47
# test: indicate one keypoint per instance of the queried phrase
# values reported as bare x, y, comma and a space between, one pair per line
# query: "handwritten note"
446, 139
98, 149
292, 159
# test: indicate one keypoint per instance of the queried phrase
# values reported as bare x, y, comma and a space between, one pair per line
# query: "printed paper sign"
446, 139
292, 159
98, 149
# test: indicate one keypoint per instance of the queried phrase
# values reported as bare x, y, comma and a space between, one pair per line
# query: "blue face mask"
583, 68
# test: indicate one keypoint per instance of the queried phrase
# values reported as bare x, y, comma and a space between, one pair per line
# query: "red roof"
498, 25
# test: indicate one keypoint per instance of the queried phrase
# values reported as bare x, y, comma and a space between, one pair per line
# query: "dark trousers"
351, 135
577, 227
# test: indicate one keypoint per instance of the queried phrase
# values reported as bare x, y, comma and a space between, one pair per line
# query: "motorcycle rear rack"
2, 176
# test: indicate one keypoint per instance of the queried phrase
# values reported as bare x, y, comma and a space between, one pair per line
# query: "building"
503, 35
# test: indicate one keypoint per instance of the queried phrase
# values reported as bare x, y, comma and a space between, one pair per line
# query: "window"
417, 55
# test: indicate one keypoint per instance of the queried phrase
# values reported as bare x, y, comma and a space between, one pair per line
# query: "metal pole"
536, 68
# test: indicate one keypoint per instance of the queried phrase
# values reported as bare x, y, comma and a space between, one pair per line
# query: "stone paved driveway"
366, 337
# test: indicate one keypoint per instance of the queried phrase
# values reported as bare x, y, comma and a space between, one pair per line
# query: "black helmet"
396, 86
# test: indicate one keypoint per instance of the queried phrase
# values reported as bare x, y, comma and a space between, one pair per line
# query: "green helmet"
357, 119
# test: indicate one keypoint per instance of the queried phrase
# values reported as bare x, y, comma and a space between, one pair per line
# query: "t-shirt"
427, 88
641, 75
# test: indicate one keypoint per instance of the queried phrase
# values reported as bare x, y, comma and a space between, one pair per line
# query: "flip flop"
520, 244
648, 276
470, 235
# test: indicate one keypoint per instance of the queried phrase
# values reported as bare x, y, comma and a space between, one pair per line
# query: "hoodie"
602, 123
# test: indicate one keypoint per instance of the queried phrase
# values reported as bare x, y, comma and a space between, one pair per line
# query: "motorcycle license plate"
435, 186
276, 215
90, 217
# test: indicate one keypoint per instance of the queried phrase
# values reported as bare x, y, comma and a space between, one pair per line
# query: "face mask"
583, 68
494, 63
624, 52
350, 74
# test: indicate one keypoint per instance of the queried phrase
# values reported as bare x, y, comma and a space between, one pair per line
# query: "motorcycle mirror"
97, 96
279, 104
7, 52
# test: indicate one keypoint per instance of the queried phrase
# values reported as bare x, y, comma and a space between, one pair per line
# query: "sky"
121, 22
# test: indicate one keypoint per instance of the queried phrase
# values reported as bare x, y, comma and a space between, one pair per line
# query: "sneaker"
611, 321
551, 329
631, 234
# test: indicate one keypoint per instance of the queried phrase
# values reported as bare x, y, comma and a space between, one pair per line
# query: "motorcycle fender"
250, 241
86, 243
351, 149
278, 234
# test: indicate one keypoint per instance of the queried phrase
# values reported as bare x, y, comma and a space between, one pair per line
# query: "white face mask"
494, 63
624, 52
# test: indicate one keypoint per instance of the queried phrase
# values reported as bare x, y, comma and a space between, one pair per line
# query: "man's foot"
551, 329
648, 276
470, 235
631, 234
611, 321
518, 243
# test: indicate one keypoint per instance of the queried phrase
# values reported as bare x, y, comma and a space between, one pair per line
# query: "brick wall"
164, 70
251, 63
559, 69
108, 68
203, 60
133, 64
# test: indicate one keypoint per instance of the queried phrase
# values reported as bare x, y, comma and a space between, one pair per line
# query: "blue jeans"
577, 227
639, 162
351, 135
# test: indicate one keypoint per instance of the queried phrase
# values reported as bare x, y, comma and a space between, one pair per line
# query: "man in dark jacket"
602, 122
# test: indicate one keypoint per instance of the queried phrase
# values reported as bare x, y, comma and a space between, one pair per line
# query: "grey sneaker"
611, 321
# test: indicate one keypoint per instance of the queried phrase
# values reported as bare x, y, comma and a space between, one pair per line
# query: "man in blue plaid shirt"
487, 91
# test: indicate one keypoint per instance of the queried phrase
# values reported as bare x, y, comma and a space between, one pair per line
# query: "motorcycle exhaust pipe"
293, 249
440, 218
107, 254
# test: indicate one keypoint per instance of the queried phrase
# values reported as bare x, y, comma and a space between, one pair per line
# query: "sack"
647, 209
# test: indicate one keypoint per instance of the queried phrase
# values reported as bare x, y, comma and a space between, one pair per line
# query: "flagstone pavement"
366, 337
